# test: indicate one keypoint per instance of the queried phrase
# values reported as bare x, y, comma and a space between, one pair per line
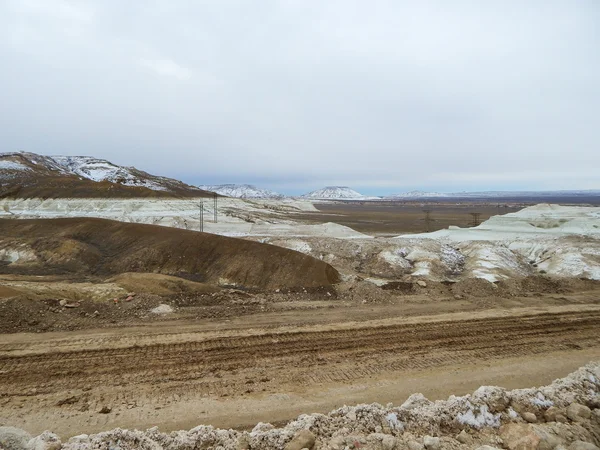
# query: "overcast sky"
383, 96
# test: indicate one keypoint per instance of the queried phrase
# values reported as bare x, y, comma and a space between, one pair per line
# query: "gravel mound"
565, 413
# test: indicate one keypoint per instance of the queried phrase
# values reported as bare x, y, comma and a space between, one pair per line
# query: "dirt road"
179, 376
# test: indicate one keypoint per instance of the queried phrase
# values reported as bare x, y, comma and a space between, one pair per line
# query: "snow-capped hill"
241, 191
335, 192
25, 174
102, 170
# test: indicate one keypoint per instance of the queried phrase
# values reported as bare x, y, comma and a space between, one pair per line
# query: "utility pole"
215, 196
475, 221
427, 219
202, 215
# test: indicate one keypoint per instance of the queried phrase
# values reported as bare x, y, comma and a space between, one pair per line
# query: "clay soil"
242, 358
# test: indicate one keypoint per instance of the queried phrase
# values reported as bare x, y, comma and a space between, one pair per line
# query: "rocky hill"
242, 191
335, 192
28, 175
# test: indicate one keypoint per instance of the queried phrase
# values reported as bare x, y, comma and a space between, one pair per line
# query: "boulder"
45, 441
551, 413
519, 436
529, 417
414, 445
302, 439
431, 443
581, 445
578, 412
12, 438
388, 443
464, 438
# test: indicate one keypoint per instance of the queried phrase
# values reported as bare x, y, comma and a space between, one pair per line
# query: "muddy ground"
232, 359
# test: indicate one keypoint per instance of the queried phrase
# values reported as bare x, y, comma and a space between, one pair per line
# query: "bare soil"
297, 356
86, 246
389, 218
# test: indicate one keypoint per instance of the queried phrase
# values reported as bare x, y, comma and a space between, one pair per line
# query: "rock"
302, 439
63, 302
12, 438
519, 436
243, 443
388, 443
561, 418
548, 440
529, 417
487, 447
162, 309
551, 413
337, 443
422, 283
45, 441
105, 410
414, 445
580, 445
578, 412
464, 438
458, 297
431, 443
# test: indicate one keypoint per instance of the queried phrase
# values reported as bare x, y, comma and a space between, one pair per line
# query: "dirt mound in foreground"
566, 413
104, 247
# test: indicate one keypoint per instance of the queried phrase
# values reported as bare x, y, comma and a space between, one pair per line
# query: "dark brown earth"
390, 218
102, 247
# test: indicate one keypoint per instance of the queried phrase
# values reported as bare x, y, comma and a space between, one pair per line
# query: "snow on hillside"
102, 170
25, 168
241, 191
12, 165
335, 192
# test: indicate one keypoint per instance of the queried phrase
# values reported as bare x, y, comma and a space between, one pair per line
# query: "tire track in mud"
300, 357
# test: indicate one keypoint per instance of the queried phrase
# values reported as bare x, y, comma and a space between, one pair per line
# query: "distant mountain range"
493, 194
29, 175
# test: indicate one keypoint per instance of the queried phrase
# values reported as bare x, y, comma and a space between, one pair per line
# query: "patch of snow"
479, 417
540, 400
12, 165
394, 423
299, 246
396, 257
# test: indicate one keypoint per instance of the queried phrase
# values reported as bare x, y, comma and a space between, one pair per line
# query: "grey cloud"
387, 95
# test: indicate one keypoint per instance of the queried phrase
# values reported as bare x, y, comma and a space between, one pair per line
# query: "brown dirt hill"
28, 175
104, 247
